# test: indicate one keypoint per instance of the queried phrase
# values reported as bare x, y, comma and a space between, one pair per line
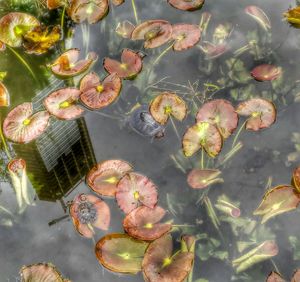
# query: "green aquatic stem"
175, 128
163, 53
4, 142
135, 11
177, 164
62, 19
232, 152
23, 61
238, 133
202, 158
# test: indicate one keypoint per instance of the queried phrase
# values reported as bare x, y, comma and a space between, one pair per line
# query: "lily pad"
296, 276
22, 126
4, 96
259, 16
118, 2
161, 265
130, 66
104, 177
202, 135
220, 113
213, 51
266, 72
98, 94
296, 179
121, 253
90, 10
69, 65
63, 103
144, 223
202, 178
275, 277
167, 104
41, 272
154, 32
185, 35
261, 113
14, 26
135, 189
87, 212
125, 29
278, 200
54, 4
187, 5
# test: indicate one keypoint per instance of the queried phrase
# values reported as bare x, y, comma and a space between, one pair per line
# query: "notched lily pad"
202, 178
130, 66
202, 135
185, 35
118, 2
154, 32
213, 51
276, 201
54, 4
121, 253
259, 16
63, 103
22, 126
296, 179
97, 94
168, 104
220, 113
144, 223
104, 177
125, 29
4, 96
266, 72
135, 189
87, 212
187, 5
68, 64
296, 276
261, 113
275, 277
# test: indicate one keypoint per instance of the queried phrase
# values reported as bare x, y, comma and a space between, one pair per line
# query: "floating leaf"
202, 135
220, 113
14, 26
39, 40
185, 35
125, 29
202, 178
296, 179
22, 126
69, 65
4, 96
54, 4
186, 5
118, 2
87, 212
135, 189
92, 11
160, 264
63, 103
167, 104
293, 16
98, 94
224, 205
259, 16
130, 66
144, 223
275, 277
41, 272
296, 276
261, 113
154, 32
104, 177
276, 201
264, 251
213, 51
121, 253
266, 72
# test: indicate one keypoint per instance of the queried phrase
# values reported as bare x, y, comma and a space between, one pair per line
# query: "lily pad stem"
175, 128
4, 142
162, 54
238, 133
135, 11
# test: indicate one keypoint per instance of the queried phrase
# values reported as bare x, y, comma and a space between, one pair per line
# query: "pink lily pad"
54, 4
14, 26
186, 36
87, 212
276, 201
69, 65
63, 103
220, 113
161, 265
154, 32
121, 253
41, 272
259, 16
130, 66
261, 113
4, 96
275, 277
118, 2
17, 166
135, 189
202, 135
296, 179
125, 29
98, 94
22, 126
213, 51
266, 72
296, 276
104, 177
144, 223
90, 10
187, 5
202, 178
167, 105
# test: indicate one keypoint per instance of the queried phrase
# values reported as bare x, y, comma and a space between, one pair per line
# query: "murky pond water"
220, 216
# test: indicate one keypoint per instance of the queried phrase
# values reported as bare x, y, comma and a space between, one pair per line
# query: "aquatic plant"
4, 96
259, 16
276, 277
266, 72
293, 16
201, 178
187, 5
